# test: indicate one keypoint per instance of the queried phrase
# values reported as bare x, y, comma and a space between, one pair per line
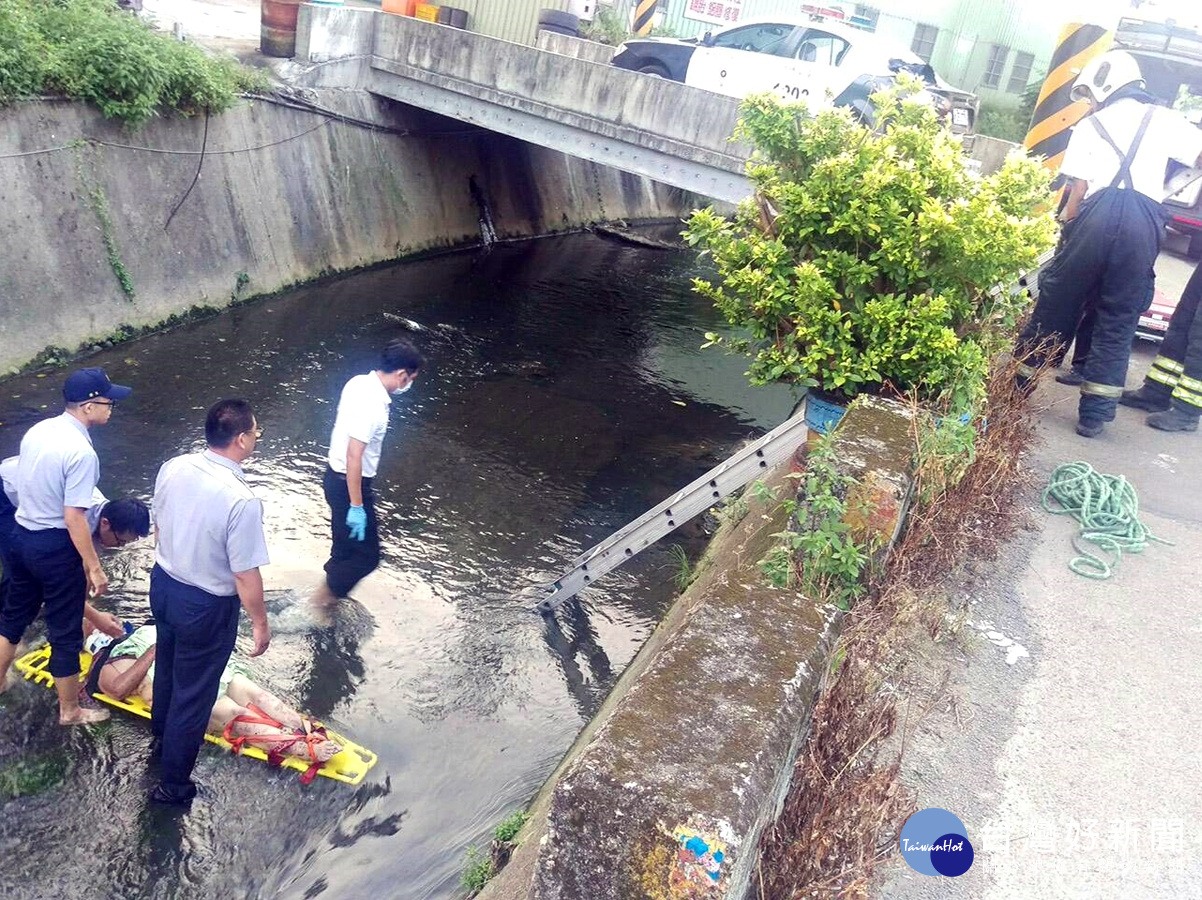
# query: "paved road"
1075, 766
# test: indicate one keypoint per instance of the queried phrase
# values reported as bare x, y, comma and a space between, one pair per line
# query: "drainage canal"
565, 395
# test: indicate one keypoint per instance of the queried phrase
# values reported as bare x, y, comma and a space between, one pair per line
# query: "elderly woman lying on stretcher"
244, 714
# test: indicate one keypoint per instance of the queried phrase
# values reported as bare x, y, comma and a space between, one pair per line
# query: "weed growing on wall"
97, 201
91, 50
818, 552
480, 868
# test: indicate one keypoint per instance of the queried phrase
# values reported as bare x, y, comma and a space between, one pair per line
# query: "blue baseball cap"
88, 384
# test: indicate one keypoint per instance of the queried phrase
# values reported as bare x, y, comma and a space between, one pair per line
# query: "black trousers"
196, 633
8, 543
1082, 339
350, 561
1107, 258
47, 576
1177, 369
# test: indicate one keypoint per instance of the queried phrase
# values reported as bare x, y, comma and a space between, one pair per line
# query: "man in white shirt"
55, 566
208, 551
355, 446
1116, 160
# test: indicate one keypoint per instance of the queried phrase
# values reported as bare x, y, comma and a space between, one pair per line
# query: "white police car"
825, 63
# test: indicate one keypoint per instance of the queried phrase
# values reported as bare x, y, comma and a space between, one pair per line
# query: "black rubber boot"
1072, 377
170, 795
1174, 419
1090, 427
1148, 401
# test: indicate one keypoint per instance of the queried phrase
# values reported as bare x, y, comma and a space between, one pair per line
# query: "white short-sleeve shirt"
209, 523
1169, 136
362, 415
57, 468
8, 482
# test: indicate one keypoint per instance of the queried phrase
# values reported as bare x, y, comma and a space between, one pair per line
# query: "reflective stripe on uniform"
1169, 365
1101, 390
1187, 396
1168, 379
1190, 384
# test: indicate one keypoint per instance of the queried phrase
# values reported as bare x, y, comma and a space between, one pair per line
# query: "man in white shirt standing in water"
354, 457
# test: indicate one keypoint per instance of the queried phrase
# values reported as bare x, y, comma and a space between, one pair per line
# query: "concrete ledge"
577, 48
666, 793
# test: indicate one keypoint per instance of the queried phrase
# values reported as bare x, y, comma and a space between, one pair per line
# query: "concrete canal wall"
94, 240
667, 791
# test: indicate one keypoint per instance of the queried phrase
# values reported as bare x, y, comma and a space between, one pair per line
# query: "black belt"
341, 476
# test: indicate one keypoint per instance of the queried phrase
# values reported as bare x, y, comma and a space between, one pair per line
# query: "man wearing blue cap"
55, 567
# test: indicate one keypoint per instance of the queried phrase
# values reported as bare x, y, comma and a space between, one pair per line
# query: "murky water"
565, 395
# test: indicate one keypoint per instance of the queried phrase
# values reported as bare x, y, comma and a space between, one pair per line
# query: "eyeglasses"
109, 403
257, 431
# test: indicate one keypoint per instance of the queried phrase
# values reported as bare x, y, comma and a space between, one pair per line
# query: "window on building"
1020, 74
866, 17
996, 65
924, 41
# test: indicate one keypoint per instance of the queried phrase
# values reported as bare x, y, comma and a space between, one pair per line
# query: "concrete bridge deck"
660, 129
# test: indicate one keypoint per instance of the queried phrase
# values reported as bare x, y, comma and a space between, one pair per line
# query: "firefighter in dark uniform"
1172, 390
1116, 162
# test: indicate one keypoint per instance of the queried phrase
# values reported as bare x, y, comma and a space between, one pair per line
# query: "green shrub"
1006, 124
91, 50
22, 52
866, 258
510, 826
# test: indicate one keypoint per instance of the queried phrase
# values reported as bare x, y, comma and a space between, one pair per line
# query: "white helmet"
1103, 76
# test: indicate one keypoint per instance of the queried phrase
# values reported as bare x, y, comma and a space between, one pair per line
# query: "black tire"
555, 29
1194, 251
653, 68
559, 19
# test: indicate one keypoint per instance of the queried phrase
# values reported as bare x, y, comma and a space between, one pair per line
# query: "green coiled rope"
1107, 509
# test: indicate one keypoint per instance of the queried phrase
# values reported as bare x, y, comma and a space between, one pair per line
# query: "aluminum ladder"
738, 471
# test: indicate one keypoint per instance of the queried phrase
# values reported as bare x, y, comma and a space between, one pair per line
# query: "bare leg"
8, 652
69, 710
245, 692
323, 603
225, 710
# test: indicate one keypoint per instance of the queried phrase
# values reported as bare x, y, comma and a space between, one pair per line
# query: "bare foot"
83, 716
322, 605
326, 750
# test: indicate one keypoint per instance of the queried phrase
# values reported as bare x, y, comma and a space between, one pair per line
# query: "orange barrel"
277, 33
400, 7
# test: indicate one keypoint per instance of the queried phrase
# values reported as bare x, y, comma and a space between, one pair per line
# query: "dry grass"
847, 804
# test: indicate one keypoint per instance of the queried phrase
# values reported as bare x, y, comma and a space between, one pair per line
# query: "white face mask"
402, 390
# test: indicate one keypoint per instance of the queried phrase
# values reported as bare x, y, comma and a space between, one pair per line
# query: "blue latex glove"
356, 521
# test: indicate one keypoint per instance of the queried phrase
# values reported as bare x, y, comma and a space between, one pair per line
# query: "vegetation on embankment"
91, 50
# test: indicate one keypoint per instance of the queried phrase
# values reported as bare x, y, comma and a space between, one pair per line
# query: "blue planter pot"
822, 415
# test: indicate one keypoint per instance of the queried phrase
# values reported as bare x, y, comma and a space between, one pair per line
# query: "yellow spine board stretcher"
348, 766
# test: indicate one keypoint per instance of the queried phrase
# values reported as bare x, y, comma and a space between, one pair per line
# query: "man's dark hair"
400, 354
127, 515
226, 420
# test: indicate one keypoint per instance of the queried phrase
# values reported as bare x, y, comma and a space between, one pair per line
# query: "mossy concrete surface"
666, 792
290, 188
